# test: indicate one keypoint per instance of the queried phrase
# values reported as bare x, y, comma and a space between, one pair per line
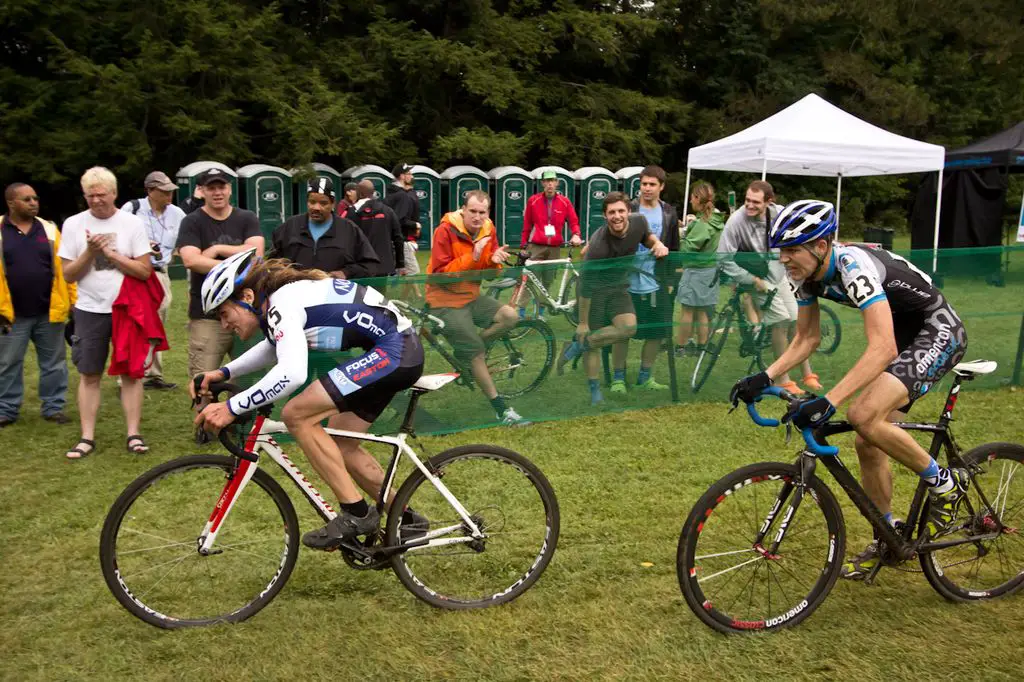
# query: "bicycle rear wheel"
572, 295
831, 330
149, 544
717, 336
508, 498
520, 360
987, 568
734, 584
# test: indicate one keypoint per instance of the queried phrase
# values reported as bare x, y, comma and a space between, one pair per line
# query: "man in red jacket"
544, 221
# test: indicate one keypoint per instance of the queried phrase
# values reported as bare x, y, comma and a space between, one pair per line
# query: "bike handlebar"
217, 389
808, 433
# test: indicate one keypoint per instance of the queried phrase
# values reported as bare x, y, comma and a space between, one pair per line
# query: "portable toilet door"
268, 194
380, 177
457, 181
594, 184
512, 187
186, 179
427, 185
629, 179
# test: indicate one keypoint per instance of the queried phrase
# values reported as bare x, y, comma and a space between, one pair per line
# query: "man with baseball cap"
320, 239
208, 236
162, 220
544, 220
401, 198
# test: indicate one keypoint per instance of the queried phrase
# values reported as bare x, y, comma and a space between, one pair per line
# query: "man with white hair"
99, 247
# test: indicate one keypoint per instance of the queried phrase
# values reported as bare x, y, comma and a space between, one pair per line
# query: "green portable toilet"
186, 179
512, 187
380, 177
458, 180
267, 192
593, 184
629, 180
427, 185
301, 183
566, 181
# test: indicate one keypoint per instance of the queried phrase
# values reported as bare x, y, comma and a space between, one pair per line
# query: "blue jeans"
53, 369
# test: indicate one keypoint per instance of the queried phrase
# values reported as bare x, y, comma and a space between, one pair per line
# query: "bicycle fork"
797, 490
236, 482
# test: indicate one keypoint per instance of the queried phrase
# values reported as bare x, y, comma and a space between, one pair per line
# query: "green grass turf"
625, 483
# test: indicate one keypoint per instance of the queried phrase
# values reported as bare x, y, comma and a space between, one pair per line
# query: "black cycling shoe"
342, 527
414, 525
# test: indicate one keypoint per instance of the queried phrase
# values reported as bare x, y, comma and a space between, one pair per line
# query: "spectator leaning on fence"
206, 237
544, 220
605, 305
464, 244
746, 231
319, 239
162, 220
652, 281
35, 302
381, 227
99, 247
698, 287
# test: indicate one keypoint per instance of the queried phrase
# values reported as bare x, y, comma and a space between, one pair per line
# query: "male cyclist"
913, 338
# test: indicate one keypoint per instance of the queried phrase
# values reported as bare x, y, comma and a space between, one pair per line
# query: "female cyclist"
299, 311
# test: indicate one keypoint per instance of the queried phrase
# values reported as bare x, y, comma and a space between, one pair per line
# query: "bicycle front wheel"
734, 583
520, 360
831, 330
509, 500
717, 336
149, 547
992, 567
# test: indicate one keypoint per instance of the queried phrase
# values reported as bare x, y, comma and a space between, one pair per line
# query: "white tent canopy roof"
813, 137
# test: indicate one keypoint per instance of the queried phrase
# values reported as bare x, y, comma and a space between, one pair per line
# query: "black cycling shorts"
928, 351
365, 385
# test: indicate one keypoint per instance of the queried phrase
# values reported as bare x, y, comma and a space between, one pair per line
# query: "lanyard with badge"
549, 229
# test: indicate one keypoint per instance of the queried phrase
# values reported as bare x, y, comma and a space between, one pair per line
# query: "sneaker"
942, 507
342, 527
158, 383
570, 351
618, 386
652, 385
57, 418
414, 525
858, 567
511, 418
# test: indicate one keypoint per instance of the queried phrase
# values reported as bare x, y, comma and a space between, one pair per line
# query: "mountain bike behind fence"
210, 539
763, 546
530, 285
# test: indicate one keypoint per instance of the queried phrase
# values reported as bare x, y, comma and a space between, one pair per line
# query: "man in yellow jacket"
35, 303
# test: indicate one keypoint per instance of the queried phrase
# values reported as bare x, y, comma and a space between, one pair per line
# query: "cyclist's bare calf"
871, 416
622, 328
302, 415
361, 465
504, 319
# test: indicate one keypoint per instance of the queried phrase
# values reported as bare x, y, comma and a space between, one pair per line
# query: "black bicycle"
518, 361
763, 546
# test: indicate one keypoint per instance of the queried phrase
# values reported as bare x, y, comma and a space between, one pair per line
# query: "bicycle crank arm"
933, 546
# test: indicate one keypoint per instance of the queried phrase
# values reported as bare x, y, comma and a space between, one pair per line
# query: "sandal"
792, 388
812, 381
140, 448
82, 454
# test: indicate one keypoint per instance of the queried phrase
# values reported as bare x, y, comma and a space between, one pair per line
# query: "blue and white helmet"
802, 222
221, 281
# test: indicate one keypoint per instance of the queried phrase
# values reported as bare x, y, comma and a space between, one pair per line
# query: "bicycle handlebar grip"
758, 419
233, 448
816, 447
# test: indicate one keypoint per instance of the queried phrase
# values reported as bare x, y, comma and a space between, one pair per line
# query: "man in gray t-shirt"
746, 232
605, 307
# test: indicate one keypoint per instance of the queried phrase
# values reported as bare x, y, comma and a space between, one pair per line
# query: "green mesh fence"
989, 300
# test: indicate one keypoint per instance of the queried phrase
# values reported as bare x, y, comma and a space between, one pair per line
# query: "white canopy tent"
813, 137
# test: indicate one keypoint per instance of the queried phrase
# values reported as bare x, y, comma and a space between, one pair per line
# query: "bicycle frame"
898, 542
260, 440
529, 279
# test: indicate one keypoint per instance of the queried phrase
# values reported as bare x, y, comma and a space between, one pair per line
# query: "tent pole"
764, 168
938, 211
839, 196
686, 197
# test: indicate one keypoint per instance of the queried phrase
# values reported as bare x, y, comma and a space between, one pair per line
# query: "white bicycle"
562, 301
209, 539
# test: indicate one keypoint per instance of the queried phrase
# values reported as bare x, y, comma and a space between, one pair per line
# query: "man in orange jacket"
464, 242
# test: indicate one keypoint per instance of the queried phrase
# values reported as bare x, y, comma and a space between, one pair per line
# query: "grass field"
608, 607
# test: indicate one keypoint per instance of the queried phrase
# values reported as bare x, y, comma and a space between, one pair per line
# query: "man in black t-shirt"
206, 237
604, 303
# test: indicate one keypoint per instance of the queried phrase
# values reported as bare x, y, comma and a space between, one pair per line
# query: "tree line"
138, 86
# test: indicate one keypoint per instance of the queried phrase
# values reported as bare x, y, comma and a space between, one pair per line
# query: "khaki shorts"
208, 343
460, 325
412, 266
783, 307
